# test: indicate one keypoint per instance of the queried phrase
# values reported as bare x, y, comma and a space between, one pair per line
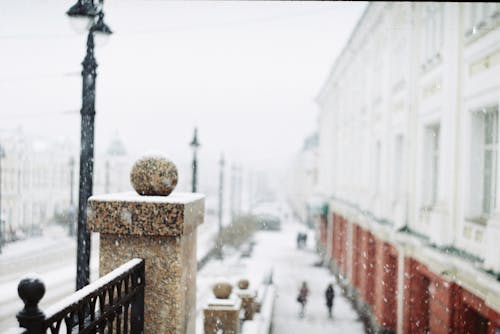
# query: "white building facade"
408, 147
36, 180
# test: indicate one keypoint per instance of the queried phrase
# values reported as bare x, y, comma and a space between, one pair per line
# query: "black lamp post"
195, 145
233, 192
71, 217
221, 190
106, 178
2, 155
87, 9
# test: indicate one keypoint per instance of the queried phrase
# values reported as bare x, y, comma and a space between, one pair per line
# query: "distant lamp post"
87, 9
232, 197
221, 191
71, 218
106, 178
2, 225
195, 144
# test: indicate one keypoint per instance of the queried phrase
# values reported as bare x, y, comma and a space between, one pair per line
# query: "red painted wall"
431, 302
449, 307
357, 269
386, 285
322, 224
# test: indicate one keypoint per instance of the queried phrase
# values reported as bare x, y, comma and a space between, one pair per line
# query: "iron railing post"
137, 311
31, 291
94, 309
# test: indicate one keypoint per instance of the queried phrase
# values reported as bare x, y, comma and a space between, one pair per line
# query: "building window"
398, 64
431, 168
484, 147
490, 161
433, 33
475, 321
479, 16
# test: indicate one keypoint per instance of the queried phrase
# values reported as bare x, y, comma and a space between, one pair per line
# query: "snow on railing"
113, 302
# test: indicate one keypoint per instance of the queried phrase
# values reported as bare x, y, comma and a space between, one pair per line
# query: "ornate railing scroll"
112, 304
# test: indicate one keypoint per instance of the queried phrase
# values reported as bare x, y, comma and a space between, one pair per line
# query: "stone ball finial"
154, 175
222, 290
31, 291
243, 284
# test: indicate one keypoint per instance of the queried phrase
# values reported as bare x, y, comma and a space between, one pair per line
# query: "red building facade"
396, 291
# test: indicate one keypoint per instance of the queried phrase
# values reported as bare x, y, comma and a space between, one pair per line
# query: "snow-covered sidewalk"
291, 266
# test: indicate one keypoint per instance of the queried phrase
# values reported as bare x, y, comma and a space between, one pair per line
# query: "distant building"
35, 182
408, 164
112, 169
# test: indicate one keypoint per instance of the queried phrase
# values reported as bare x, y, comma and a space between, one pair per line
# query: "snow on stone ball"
154, 176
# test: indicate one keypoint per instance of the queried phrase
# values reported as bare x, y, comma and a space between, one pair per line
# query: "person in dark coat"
329, 295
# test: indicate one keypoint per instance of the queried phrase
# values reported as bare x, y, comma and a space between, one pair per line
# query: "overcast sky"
246, 73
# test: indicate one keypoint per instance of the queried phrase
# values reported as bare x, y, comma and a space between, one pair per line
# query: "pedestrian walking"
302, 298
329, 295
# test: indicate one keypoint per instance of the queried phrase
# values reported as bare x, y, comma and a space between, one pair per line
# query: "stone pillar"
222, 313
247, 297
492, 232
160, 229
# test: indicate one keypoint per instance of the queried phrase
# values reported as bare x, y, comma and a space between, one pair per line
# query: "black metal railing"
112, 304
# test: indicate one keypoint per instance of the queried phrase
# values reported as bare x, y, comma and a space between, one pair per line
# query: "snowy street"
52, 256
290, 266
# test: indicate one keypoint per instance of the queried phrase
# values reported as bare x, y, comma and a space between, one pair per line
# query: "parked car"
269, 222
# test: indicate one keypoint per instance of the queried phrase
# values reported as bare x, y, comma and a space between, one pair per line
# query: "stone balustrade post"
161, 229
247, 296
222, 313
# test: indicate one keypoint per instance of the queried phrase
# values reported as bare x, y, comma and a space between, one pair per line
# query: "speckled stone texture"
161, 230
129, 213
222, 314
154, 175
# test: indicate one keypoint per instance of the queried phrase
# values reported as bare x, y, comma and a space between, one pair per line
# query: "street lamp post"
221, 190
87, 9
71, 202
233, 193
195, 144
106, 178
2, 155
